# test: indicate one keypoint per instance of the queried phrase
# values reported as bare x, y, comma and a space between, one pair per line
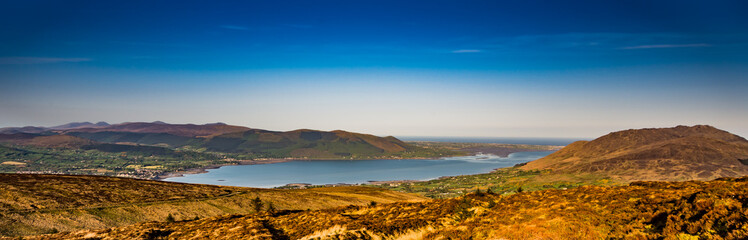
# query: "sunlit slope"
680, 153
36, 204
642, 210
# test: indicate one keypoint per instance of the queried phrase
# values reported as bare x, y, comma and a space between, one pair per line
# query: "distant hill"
27, 129
74, 125
680, 153
218, 137
153, 150
185, 130
305, 143
32, 129
47, 141
39, 203
641, 210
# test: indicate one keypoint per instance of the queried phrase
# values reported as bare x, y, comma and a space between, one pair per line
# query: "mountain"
27, 129
47, 141
32, 129
184, 130
153, 150
74, 125
641, 210
219, 137
305, 143
38, 203
681, 153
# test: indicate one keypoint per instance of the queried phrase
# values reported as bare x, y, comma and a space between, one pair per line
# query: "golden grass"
36, 204
643, 210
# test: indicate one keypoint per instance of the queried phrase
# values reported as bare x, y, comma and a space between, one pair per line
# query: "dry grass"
37, 204
644, 210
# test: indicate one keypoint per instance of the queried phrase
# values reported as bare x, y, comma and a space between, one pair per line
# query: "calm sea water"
356, 171
507, 140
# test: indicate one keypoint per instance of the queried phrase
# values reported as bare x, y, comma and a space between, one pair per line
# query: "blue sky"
417, 68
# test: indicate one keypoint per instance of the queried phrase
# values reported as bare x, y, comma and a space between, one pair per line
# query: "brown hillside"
27, 129
642, 210
680, 153
186, 130
36, 203
53, 141
15, 137
64, 141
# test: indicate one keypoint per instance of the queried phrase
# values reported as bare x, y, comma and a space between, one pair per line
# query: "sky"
572, 69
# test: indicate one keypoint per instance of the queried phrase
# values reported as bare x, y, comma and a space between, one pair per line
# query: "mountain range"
216, 137
32, 129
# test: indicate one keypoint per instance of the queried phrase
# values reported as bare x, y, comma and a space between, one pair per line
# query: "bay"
505, 140
320, 172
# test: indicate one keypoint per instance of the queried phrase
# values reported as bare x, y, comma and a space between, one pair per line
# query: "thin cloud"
467, 51
234, 27
39, 60
669, 46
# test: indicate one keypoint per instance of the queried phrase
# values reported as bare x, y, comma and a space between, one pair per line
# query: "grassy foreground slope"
38, 204
716, 209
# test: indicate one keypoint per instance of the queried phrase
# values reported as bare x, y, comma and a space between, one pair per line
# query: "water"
507, 140
353, 171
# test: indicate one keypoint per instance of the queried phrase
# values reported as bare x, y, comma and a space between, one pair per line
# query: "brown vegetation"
36, 204
52, 141
679, 153
186, 130
643, 210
